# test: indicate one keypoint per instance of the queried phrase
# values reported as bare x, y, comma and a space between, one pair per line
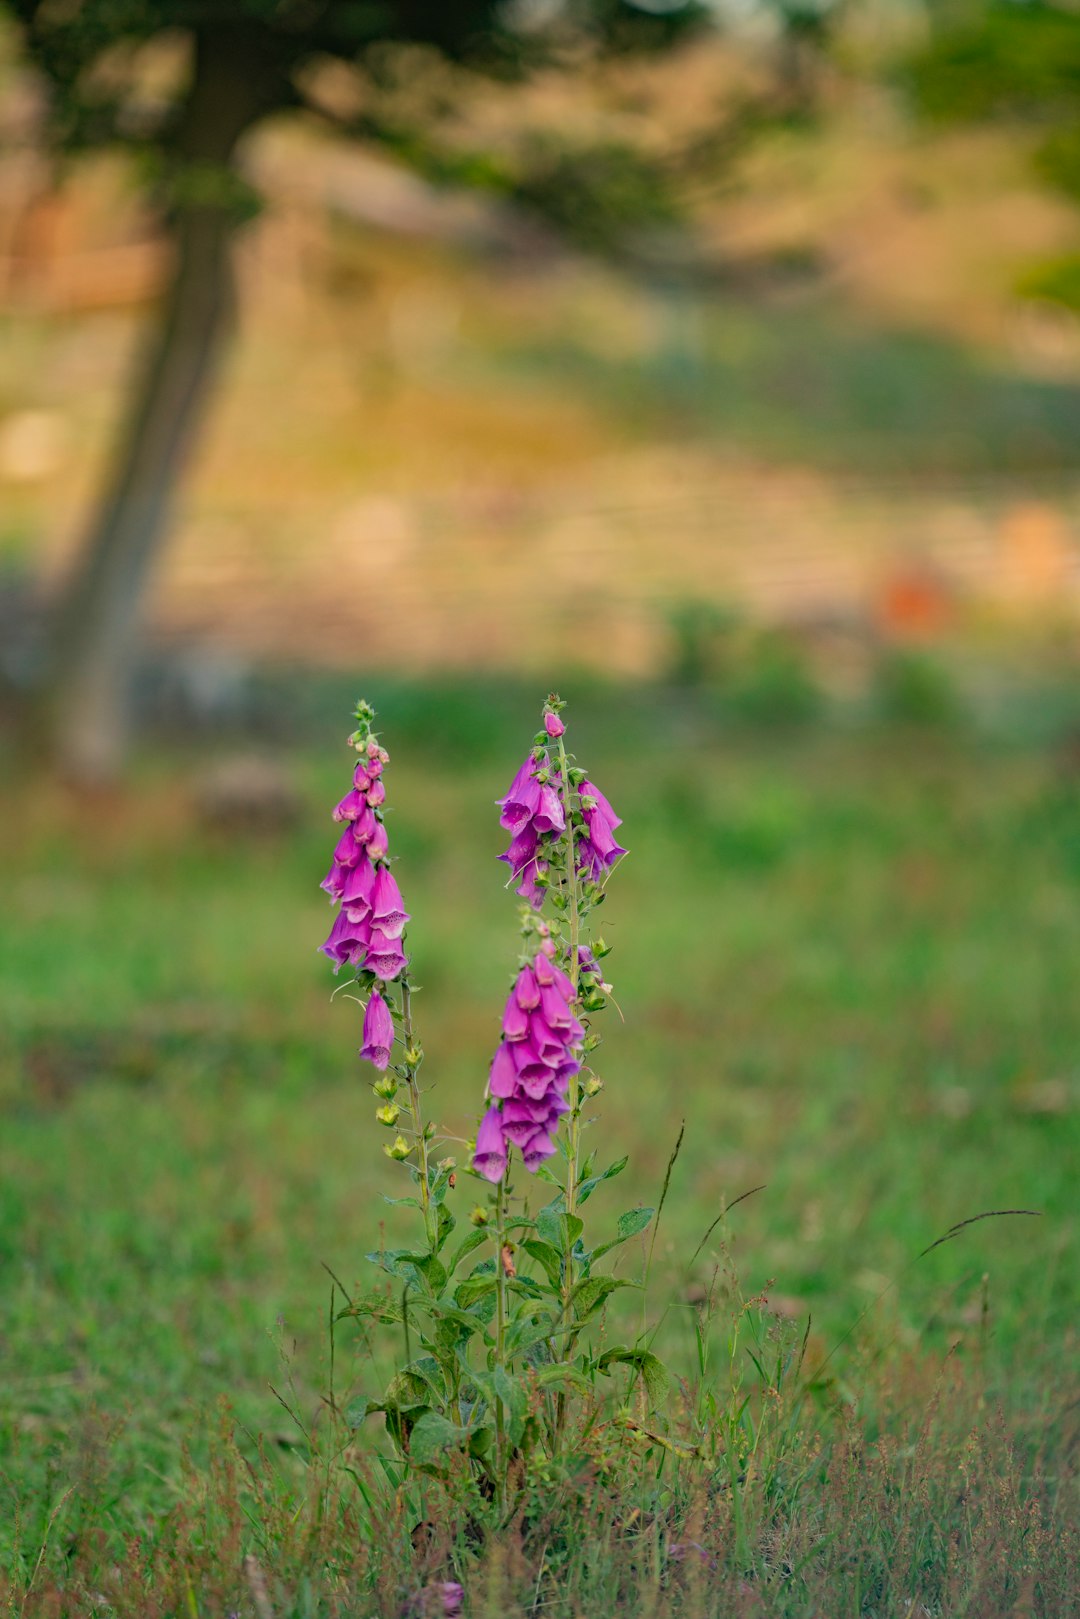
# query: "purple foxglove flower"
590, 790
385, 957
502, 1077
374, 766
515, 1023
589, 966
535, 1080
350, 807
346, 942
378, 1031
364, 825
549, 817
521, 850
387, 907
361, 778
357, 887
522, 801
519, 1110
520, 1132
548, 973
541, 1147
376, 794
489, 1159
529, 888
453, 1599
555, 1007
348, 851
549, 1044
601, 839
527, 990
377, 843
553, 725
588, 859
334, 880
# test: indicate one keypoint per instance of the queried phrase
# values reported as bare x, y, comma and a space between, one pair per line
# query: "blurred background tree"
234, 66
1014, 62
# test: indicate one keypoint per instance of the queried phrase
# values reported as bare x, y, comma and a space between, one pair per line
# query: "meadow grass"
847, 960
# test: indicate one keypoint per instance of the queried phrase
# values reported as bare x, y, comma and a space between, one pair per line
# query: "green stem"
574, 1096
414, 1056
575, 932
500, 1343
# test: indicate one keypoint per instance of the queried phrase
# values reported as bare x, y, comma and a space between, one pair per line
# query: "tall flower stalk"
368, 934
491, 1342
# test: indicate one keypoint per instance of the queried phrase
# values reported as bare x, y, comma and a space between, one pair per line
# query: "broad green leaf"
471, 1242
395, 1261
547, 1220
416, 1382
588, 1187
654, 1374
432, 1271
433, 1438
376, 1307
405, 1390
522, 1334
563, 1374
514, 1395
560, 1229
358, 1409
547, 1255
629, 1225
473, 1288
589, 1295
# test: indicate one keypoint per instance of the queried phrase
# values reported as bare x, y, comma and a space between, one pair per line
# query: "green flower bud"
593, 1086
388, 1115
386, 1088
479, 1216
397, 1149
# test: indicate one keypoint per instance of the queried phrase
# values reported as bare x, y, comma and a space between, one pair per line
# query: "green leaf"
404, 1390
432, 1271
560, 1229
395, 1261
376, 1307
630, 1224
514, 1396
473, 1288
563, 1374
471, 1242
358, 1409
588, 1187
588, 1296
446, 1225
548, 1256
416, 1383
652, 1371
547, 1220
433, 1438
523, 1334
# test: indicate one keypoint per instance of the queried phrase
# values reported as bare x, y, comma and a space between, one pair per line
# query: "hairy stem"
500, 1342
414, 1056
574, 1097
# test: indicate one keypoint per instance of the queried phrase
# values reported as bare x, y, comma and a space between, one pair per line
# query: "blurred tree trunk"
82, 718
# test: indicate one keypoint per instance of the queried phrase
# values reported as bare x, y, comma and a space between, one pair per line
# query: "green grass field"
848, 960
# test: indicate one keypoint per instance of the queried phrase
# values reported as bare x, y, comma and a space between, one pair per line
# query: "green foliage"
183, 1137
915, 688
998, 59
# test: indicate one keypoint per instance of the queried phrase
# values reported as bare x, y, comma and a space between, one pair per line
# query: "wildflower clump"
495, 1340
